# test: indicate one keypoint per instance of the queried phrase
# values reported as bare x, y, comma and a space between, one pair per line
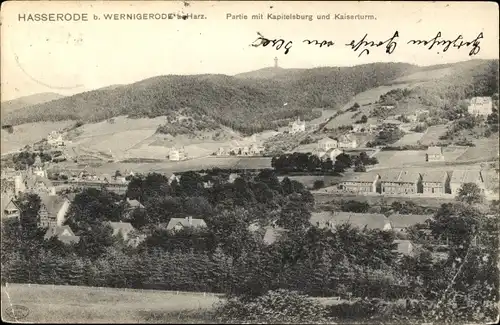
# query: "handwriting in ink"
363, 43
276, 43
447, 43
321, 44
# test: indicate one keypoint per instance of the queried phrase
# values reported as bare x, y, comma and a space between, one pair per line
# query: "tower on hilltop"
275, 62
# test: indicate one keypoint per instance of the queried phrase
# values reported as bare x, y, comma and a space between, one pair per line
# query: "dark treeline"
310, 163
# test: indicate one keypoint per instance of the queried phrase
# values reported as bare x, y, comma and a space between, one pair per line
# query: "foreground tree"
470, 193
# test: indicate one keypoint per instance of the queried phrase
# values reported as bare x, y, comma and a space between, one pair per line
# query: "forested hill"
238, 102
250, 103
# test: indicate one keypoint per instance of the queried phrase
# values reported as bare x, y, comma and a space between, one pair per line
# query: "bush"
318, 184
279, 306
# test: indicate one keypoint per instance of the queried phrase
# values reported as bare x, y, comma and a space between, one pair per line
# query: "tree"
294, 215
470, 193
319, 183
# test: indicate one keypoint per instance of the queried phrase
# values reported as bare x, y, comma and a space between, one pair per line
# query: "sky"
76, 56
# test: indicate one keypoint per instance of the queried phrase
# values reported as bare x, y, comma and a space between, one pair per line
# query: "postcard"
267, 162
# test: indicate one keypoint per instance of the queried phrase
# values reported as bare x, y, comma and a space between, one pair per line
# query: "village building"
53, 209
326, 144
39, 185
401, 222
174, 177
272, 234
256, 150
10, 209
435, 182
331, 153
127, 232
330, 220
177, 154
480, 106
400, 182
233, 177
347, 141
177, 224
434, 154
361, 183
221, 151
38, 167
244, 151
55, 139
19, 184
62, 233
297, 126
405, 247
131, 206
460, 177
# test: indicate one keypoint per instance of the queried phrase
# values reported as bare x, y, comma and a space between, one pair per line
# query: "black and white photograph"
250, 162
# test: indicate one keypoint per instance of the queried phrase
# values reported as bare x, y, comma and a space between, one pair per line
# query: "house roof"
360, 220
434, 150
63, 233
53, 203
326, 140
404, 246
123, 227
272, 234
333, 150
407, 220
363, 177
400, 176
134, 203
480, 100
465, 176
31, 181
434, 176
184, 222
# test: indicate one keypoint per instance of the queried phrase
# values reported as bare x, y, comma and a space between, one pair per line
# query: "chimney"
190, 220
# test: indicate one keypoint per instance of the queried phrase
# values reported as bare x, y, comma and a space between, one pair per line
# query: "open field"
170, 167
484, 149
431, 136
399, 158
69, 304
29, 133
409, 139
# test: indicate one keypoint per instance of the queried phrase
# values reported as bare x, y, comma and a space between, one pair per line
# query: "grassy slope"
68, 304
433, 86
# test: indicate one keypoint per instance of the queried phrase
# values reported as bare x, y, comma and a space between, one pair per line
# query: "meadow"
27, 134
72, 304
431, 136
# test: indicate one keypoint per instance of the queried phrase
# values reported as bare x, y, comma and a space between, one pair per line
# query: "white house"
480, 106
347, 141
176, 154
297, 126
326, 144
55, 139
331, 153
188, 222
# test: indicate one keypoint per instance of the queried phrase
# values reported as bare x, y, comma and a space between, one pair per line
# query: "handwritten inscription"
276, 43
451, 43
366, 43
363, 44
320, 44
